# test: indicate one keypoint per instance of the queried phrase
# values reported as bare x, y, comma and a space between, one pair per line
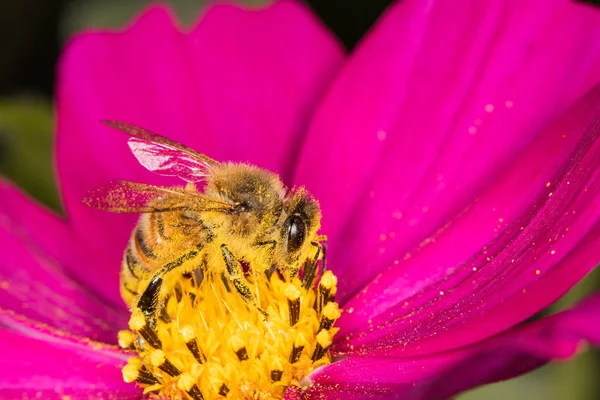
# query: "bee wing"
164, 156
134, 197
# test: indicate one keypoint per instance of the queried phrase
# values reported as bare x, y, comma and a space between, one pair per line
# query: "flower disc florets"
210, 343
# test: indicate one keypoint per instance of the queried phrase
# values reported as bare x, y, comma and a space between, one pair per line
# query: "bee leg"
271, 249
323, 256
311, 267
150, 299
270, 243
236, 276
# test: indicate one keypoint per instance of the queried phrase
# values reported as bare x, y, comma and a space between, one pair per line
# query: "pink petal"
513, 251
442, 375
35, 368
239, 86
39, 225
437, 100
33, 282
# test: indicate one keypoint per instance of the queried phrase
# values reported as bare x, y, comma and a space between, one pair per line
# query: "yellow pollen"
187, 333
332, 311
292, 292
324, 338
130, 373
126, 339
186, 382
137, 320
328, 280
209, 342
157, 357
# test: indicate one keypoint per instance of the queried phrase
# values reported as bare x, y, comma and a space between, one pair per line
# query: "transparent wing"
164, 156
133, 197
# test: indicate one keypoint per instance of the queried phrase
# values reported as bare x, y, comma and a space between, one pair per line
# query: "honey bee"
243, 220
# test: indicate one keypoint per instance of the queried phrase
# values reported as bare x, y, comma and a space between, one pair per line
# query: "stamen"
276, 369
159, 360
126, 339
223, 390
276, 375
135, 372
324, 340
215, 343
187, 383
188, 335
299, 345
331, 312
138, 323
293, 295
327, 290
237, 344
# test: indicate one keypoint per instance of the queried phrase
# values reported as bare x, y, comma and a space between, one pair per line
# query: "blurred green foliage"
116, 14
25, 147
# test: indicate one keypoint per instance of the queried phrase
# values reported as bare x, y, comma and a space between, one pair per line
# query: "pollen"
211, 343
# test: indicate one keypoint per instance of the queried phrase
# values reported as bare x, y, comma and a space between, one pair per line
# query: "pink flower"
454, 153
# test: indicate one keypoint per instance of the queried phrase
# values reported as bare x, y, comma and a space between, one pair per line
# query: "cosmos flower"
454, 154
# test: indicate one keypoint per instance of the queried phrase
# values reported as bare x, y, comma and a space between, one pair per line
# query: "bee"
241, 220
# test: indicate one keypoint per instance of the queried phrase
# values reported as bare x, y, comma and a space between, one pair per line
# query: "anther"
276, 369
293, 295
198, 276
135, 372
158, 359
276, 375
239, 348
164, 315
189, 337
331, 312
324, 340
138, 323
126, 339
327, 289
297, 348
223, 390
187, 383
178, 292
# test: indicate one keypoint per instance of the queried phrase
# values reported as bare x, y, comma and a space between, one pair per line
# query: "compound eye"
296, 233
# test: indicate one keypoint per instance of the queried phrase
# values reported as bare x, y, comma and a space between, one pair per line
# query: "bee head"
301, 224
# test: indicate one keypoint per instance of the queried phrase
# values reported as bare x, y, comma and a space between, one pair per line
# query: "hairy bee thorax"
210, 343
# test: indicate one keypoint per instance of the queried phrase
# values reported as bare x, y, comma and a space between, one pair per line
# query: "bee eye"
296, 233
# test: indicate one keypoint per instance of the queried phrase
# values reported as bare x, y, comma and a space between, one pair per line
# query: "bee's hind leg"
236, 276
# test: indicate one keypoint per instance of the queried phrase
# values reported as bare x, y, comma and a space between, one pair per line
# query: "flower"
454, 154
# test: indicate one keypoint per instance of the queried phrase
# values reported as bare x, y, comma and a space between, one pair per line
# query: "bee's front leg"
236, 275
311, 265
270, 245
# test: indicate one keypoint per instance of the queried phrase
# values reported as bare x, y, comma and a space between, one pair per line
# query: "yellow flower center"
209, 343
